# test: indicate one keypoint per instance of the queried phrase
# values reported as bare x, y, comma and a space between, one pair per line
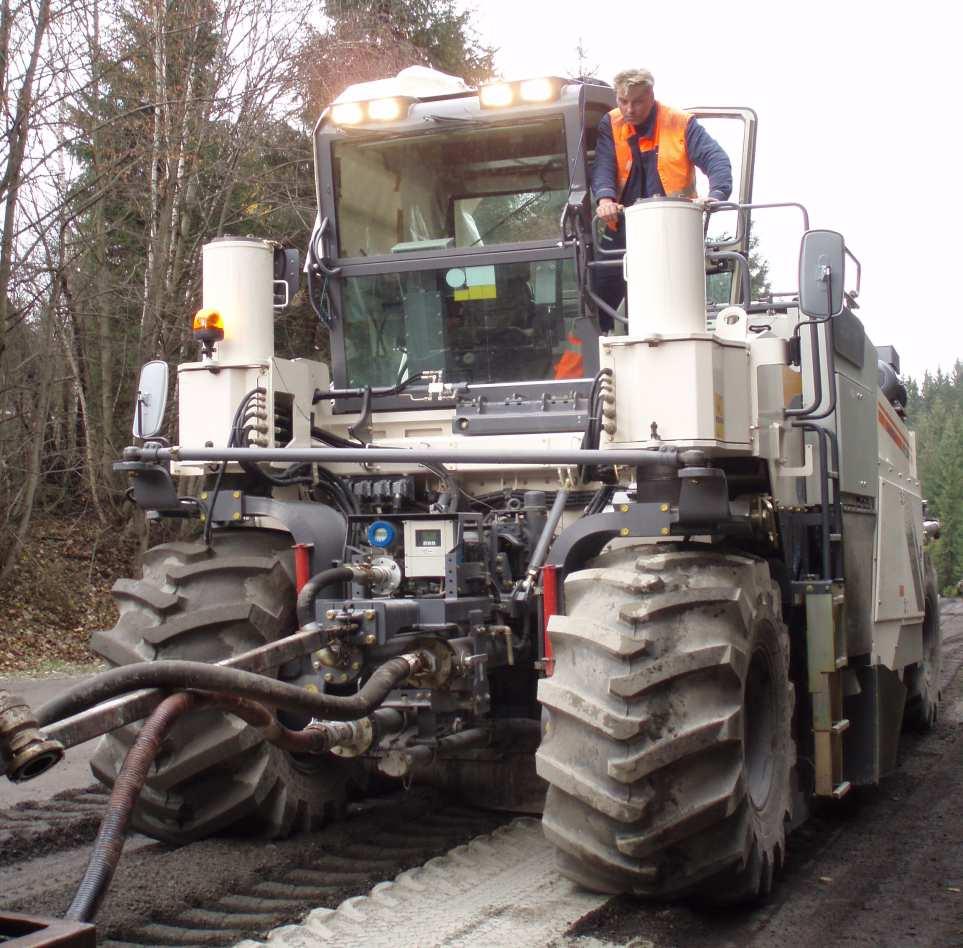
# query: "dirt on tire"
213, 772
668, 747
882, 868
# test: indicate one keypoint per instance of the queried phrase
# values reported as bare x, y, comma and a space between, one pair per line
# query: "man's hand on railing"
608, 210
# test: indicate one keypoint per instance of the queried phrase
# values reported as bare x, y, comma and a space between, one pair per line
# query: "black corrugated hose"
184, 675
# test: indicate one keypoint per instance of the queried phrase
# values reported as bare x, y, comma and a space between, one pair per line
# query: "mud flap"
876, 719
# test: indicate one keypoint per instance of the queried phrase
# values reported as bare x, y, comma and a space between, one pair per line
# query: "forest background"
134, 132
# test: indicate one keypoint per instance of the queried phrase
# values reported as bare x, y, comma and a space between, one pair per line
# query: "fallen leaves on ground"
59, 593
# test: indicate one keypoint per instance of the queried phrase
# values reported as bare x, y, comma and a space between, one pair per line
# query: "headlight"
374, 110
347, 113
384, 110
538, 90
496, 96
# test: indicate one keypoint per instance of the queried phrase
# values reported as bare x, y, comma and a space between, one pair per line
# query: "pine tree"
935, 411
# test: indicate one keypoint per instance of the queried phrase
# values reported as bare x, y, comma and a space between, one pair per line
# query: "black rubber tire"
214, 773
660, 783
923, 679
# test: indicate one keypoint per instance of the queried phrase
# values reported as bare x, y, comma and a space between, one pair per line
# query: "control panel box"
427, 545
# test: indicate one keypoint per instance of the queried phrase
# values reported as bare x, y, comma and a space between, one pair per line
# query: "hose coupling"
382, 575
24, 752
420, 661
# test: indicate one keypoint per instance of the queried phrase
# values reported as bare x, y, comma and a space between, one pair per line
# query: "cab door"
735, 130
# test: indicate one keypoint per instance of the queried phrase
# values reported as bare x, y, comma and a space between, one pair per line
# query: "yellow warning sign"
475, 293
720, 416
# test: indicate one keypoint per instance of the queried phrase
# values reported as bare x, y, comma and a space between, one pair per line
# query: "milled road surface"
500, 889
884, 868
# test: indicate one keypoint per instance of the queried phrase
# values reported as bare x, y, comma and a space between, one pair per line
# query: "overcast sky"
859, 109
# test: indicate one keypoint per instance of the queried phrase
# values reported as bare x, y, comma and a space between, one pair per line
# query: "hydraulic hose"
127, 787
184, 675
540, 554
418, 755
364, 573
317, 737
327, 577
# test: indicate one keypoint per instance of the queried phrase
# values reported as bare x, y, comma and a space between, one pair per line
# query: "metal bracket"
703, 497
316, 524
586, 537
804, 471
151, 484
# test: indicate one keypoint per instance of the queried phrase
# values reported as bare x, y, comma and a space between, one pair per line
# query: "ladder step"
841, 726
842, 789
835, 537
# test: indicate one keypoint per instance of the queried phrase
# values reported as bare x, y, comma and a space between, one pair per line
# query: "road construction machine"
664, 584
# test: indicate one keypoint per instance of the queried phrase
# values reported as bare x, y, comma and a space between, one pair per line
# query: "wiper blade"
454, 120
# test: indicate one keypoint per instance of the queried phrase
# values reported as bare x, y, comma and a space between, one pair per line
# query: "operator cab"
447, 240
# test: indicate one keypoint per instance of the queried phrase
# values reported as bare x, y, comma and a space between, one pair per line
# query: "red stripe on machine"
549, 608
894, 432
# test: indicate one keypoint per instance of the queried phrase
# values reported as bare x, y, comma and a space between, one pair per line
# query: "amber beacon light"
208, 329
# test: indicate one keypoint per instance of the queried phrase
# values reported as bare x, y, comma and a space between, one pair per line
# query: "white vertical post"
665, 268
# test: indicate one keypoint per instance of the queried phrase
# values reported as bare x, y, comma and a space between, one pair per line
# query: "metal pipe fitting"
24, 752
401, 761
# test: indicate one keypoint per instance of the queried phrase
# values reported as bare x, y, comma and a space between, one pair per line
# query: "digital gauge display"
428, 539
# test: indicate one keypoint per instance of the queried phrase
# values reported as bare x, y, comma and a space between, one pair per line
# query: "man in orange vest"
647, 149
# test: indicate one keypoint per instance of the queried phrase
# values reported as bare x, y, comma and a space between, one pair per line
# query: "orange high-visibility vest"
676, 171
570, 364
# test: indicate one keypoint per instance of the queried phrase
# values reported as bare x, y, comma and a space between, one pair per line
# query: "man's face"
635, 103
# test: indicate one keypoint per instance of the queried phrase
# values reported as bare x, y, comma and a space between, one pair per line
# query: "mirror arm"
859, 272
140, 411
808, 411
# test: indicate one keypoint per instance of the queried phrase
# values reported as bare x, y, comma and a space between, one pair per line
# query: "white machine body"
238, 282
679, 380
667, 349
665, 267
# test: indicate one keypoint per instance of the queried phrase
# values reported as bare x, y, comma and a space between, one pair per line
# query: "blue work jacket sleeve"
603, 170
707, 155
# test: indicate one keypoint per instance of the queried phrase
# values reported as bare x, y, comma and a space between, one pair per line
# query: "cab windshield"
471, 186
507, 322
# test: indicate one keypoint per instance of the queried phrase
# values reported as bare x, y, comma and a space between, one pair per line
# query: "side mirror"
822, 256
287, 275
151, 400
